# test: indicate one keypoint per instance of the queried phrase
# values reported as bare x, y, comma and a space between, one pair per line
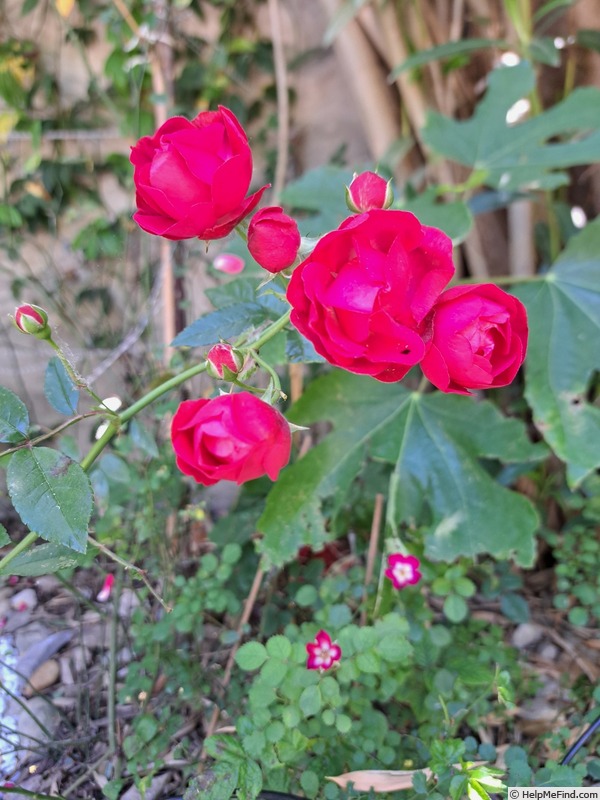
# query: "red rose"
234, 437
273, 239
191, 178
476, 339
363, 293
33, 320
369, 191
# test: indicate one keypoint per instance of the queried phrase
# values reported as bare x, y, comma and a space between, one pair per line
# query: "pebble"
128, 602
526, 634
36, 715
549, 652
25, 600
45, 675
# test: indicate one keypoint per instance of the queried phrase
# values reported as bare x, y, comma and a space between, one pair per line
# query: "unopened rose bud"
224, 362
369, 191
273, 239
32, 320
229, 263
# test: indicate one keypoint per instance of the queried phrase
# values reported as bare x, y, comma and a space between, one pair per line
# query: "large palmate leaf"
435, 442
438, 479
564, 353
321, 193
516, 156
52, 495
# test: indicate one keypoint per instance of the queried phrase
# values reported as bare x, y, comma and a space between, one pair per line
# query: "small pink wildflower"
105, 591
322, 653
403, 570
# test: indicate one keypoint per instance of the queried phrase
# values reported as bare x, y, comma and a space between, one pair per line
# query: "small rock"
37, 714
549, 652
45, 675
48, 584
29, 635
526, 634
42, 650
128, 602
25, 600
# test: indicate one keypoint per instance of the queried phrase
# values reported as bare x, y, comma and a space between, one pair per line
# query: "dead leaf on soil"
378, 780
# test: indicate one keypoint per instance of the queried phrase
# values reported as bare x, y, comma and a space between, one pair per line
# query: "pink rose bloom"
273, 239
191, 178
403, 570
362, 295
369, 191
322, 653
476, 339
234, 437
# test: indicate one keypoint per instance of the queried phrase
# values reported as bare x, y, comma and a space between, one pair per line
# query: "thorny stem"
23, 545
112, 672
372, 553
117, 420
53, 432
131, 568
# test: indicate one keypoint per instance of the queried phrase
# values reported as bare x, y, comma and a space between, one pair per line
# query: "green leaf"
14, 417
44, 560
589, 38
251, 656
143, 439
279, 647
52, 495
436, 442
9, 216
454, 218
299, 350
321, 192
346, 12
455, 608
543, 49
519, 156
438, 475
514, 607
446, 50
564, 353
60, 391
230, 321
250, 780
310, 701
4, 537
217, 783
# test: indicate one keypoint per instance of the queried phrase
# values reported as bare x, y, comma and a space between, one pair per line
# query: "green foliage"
435, 442
564, 315
52, 495
14, 417
519, 156
59, 389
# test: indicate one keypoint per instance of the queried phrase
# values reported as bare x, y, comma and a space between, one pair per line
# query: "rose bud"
475, 338
369, 191
32, 320
223, 362
273, 239
191, 177
234, 437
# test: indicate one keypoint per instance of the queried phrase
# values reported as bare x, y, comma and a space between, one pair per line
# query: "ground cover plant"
407, 441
